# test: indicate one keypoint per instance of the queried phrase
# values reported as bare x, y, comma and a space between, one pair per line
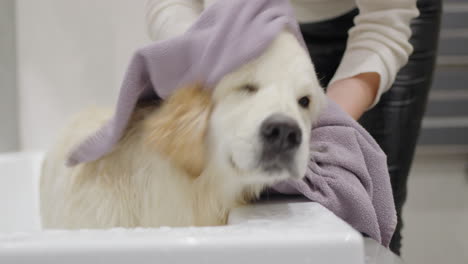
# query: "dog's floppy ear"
178, 128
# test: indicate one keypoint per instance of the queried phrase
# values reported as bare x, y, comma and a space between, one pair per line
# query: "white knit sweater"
377, 43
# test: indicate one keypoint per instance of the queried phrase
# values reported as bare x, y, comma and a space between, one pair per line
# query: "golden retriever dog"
191, 159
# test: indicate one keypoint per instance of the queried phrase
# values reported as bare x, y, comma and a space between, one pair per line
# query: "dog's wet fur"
192, 158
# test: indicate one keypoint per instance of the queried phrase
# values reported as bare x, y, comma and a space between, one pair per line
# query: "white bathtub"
269, 232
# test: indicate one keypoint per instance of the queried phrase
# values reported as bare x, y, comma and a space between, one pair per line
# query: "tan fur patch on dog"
178, 128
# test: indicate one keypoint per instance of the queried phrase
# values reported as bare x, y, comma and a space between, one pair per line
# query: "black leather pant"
395, 121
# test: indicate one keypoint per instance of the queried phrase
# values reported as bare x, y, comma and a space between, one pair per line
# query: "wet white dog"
195, 157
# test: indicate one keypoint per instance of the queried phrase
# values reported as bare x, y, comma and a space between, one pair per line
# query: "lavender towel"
227, 35
348, 174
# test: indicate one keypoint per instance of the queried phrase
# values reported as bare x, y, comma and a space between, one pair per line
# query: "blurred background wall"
9, 138
71, 54
446, 124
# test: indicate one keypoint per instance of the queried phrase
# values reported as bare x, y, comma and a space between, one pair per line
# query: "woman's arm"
377, 48
169, 18
356, 94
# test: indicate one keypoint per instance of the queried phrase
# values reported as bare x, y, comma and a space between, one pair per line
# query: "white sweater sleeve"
168, 18
379, 41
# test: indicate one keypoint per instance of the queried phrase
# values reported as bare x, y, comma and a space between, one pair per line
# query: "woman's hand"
356, 94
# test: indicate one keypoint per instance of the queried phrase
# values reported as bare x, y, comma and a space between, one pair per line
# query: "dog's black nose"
280, 134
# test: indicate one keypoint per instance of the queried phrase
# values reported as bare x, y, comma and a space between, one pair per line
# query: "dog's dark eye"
304, 101
250, 88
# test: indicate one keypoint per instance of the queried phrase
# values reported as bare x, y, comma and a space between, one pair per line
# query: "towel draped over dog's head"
227, 35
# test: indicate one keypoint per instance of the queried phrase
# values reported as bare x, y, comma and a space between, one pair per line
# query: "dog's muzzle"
281, 136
